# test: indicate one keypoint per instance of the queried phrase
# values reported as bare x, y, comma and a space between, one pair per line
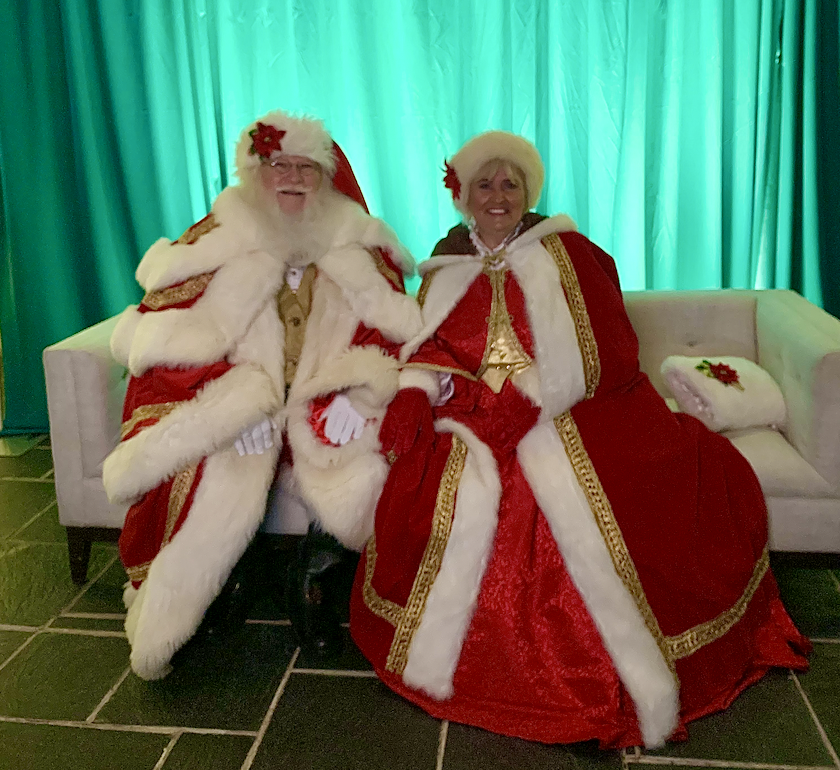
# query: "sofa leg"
78, 548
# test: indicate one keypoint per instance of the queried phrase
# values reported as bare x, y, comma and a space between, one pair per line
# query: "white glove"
255, 440
343, 421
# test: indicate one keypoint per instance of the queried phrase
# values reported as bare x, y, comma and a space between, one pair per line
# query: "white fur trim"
436, 647
634, 652
209, 330
558, 358
428, 381
122, 337
343, 484
304, 136
490, 145
211, 421
369, 294
188, 573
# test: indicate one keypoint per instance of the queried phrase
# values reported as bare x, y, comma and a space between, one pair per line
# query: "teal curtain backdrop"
698, 142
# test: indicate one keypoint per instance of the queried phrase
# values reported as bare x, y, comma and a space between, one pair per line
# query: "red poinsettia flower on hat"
451, 181
721, 372
265, 139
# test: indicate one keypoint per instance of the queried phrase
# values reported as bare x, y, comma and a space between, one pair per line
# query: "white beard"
298, 239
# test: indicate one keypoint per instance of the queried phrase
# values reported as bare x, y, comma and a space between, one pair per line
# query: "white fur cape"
236, 320
556, 386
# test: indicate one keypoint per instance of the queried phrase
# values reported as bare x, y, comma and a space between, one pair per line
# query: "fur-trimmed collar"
560, 223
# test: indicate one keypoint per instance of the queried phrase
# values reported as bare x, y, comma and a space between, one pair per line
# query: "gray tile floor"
252, 700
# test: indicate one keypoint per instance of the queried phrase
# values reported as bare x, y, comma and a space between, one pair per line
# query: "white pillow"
753, 400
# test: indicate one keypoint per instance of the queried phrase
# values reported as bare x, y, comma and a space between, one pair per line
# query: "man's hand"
343, 422
255, 440
408, 416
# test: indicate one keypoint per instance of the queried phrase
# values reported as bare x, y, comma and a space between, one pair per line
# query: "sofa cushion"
779, 467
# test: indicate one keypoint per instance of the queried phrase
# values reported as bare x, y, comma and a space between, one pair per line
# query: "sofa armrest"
799, 344
85, 391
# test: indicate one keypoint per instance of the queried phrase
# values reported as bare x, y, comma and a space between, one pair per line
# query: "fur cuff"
212, 420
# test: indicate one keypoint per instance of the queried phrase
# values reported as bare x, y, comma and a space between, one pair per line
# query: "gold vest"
293, 307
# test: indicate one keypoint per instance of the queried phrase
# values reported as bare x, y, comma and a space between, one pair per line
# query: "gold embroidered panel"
688, 642
138, 573
181, 486
147, 412
437, 368
202, 227
174, 295
577, 306
605, 518
425, 284
384, 268
407, 619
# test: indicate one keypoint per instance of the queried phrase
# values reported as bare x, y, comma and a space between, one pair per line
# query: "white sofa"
799, 469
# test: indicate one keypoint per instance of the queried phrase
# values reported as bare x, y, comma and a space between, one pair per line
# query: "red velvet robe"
545, 652
205, 350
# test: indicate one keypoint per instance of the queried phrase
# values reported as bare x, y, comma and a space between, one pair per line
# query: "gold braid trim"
202, 227
181, 486
424, 286
437, 368
147, 412
577, 306
605, 518
182, 292
382, 266
688, 642
384, 608
138, 573
432, 558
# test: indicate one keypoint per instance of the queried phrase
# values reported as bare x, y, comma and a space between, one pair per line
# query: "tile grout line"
85, 589
336, 672
94, 615
831, 752
835, 579
146, 729
25, 629
167, 751
108, 695
255, 746
19, 650
442, 736
24, 526
45, 476
250, 622
723, 764
27, 479
818, 640
84, 632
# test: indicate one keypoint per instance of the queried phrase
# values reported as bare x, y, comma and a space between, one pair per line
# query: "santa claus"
263, 349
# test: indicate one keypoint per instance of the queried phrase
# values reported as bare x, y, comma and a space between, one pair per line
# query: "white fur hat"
279, 131
469, 160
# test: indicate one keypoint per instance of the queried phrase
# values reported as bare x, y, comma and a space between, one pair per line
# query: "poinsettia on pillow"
724, 392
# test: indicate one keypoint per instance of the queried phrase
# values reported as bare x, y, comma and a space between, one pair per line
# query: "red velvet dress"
680, 514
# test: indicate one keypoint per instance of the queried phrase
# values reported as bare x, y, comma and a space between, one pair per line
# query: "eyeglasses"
283, 167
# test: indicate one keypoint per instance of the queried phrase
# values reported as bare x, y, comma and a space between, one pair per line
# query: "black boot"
310, 593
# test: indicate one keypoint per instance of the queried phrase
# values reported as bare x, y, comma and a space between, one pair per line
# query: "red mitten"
408, 417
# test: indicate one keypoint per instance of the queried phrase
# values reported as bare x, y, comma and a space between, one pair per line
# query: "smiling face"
293, 180
497, 201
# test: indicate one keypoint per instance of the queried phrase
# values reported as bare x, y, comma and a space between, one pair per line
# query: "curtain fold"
696, 142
